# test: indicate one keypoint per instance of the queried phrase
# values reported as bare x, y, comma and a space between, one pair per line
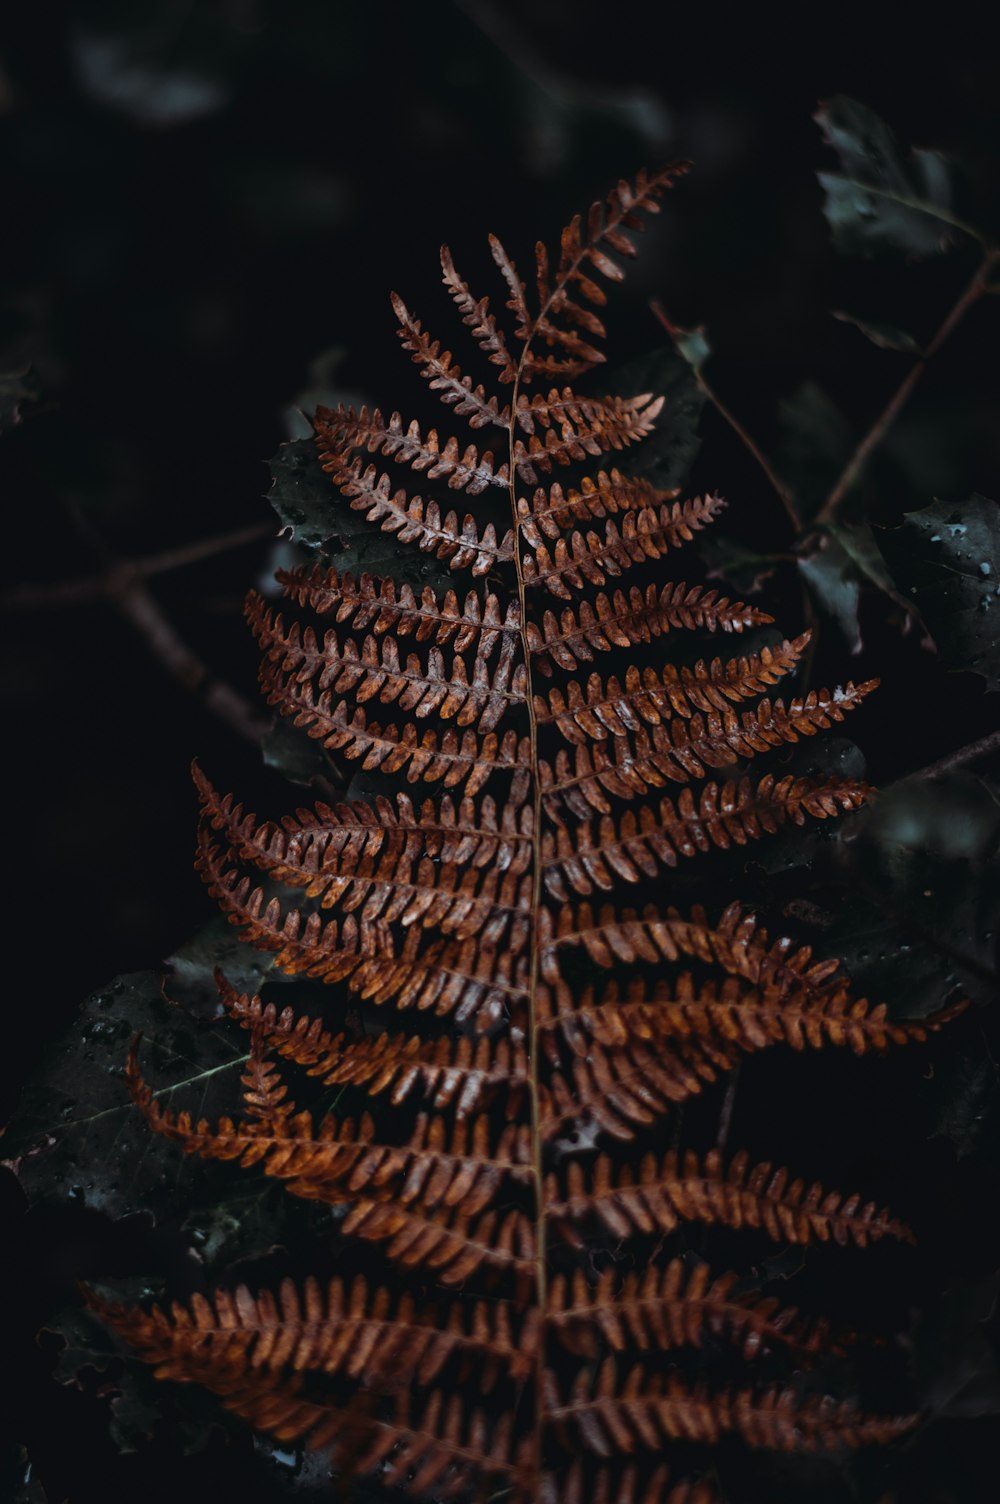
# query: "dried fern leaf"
596, 853
578, 559
659, 1194
381, 605
622, 621
661, 1310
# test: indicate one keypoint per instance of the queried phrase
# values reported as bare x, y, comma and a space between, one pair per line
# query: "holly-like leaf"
878, 203
915, 918
318, 518
77, 1140
946, 560
667, 455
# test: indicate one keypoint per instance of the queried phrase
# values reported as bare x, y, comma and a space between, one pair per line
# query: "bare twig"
778, 485
112, 581
137, 604
962, 757
972, 292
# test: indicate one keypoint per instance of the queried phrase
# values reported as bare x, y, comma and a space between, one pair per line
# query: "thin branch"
110, 584
780, 489
961, 758
137, 604
973, 291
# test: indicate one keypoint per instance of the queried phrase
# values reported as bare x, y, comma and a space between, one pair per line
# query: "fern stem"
970, 295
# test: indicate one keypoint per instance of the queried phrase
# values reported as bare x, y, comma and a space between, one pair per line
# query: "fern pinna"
508, 1141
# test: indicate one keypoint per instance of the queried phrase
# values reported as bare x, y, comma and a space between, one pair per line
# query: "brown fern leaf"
611, 1415
384, 607
553, 511
597, 853
444, 376
661, 1310
341, 429
438, 1169
647, 697
623, 621
413, 520
588, 558
461, 1074
476, 315
505, 1140
334, 1331
439, 687
729, 1017
659, 1194
629, 764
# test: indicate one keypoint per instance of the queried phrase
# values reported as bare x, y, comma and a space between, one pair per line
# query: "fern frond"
648, 697
441, 687
582, 246
595, 853
630, 764
425, 756
385, 607
476, 315
334, 1330
501, 1140
341, 429
462, 979
619, 1090
588, 558
610, 1416
736, 943
462, 1074
661, 1310
412, 519
444, 376
439, 1167
659, 1194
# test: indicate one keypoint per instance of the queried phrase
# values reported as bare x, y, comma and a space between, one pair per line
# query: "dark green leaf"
76, 1138
834, 582
318, 517
296, 754
667, 455
885, 336
946, 560
192, 968
916, 920
816, 444
878, 202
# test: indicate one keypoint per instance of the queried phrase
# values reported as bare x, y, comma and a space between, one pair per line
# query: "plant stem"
974, 752
972, 292
109, 584
749, 443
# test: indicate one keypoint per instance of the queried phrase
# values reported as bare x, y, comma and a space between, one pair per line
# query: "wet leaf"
318, 518
77, 1140
667, 455
878, 202
885, 336
946, 560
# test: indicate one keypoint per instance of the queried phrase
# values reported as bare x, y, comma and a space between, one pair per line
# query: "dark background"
202, 201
